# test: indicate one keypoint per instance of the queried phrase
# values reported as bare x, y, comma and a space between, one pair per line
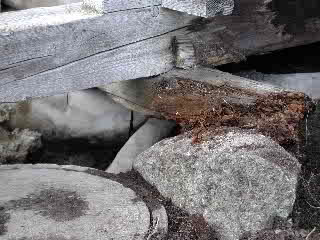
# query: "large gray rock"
15, 146
68, 202
150, 133
81, 114
238, 181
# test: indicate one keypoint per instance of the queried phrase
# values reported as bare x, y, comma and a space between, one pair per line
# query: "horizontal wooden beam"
25, 4
138, 95
48, 51
143, 59
202, 99
255, 27
103, 6
202, 8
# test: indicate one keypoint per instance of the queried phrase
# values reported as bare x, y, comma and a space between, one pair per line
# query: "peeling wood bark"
201, 99
139, 93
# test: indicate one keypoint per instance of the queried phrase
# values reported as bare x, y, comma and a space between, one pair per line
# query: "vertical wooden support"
202, 8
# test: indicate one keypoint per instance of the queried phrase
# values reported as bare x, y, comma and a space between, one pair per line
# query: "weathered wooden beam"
143, 59
202, 98
103, 6
45, 51
139, 94
202, 8
255, 27
25, 4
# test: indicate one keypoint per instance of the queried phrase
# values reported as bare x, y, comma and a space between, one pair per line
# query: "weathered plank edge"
139, 94
143, 59
103, 6
30, 52
202, 8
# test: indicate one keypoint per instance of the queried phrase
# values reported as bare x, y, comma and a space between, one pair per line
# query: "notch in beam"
202, 8
108, 6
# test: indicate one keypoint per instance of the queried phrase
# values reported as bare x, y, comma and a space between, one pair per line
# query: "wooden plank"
25, 4
103, 6
142, 59
255, 27
139, 94
45, 41
38, 40
203, 8
202, 98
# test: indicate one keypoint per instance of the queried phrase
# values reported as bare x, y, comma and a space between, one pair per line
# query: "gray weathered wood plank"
103, 6
38, 40
142, 59
25, 4
138, 94
255, 27
203, 8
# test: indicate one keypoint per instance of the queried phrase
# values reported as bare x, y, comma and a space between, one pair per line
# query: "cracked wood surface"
54, 50
255, 27
103, 6
48, 51
138, 95
203, 8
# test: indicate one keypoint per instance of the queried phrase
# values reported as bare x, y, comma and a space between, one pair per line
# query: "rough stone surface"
15, 146
43, 202
238, 180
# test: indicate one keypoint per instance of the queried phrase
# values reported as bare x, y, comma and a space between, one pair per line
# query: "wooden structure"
203, 8
47, 51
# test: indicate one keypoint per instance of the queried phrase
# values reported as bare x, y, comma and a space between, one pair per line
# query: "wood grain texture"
203, 8
138, 94
185, 53
219, 78
25, 4
50, 38
255, 27
107, 6
143, 59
